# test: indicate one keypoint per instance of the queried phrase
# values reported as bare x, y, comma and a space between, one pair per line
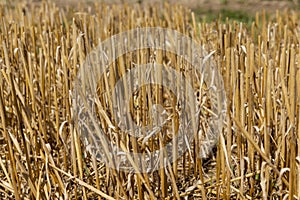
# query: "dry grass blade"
263, 155
82, 183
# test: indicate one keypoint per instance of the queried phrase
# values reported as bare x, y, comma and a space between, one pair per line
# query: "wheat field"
256, 156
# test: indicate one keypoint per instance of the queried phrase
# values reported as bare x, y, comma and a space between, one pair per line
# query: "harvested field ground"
44, 46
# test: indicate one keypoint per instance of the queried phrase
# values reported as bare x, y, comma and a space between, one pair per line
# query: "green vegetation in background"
209, 16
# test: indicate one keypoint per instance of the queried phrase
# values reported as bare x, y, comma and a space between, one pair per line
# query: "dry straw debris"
42, 157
